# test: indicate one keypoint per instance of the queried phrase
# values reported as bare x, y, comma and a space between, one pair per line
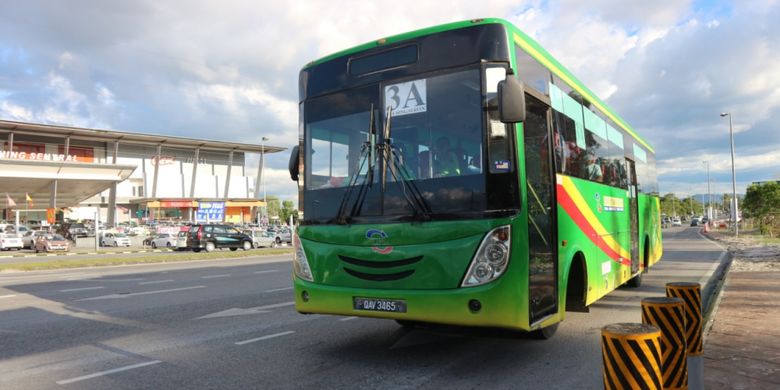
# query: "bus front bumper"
483, 306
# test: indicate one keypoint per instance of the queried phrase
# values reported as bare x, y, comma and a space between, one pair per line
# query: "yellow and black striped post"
668, 314
632, 356
691, 294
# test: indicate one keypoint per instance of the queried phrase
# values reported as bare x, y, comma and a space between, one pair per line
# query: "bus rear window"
384, 60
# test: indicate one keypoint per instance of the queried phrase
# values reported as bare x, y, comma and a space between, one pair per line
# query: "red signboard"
175, 203
51, 216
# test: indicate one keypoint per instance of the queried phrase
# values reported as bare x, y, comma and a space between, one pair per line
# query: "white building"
126, 175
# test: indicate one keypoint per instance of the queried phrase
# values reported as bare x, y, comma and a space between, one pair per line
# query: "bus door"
540, 188
633, 211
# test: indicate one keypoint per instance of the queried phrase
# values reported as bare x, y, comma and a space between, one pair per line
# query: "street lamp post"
262, 162
735, 210
261, 180
262, 174
709, 194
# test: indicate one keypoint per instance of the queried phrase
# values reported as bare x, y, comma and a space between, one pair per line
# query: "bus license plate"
379, 304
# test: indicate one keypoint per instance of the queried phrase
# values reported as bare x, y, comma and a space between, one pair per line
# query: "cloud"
230, 72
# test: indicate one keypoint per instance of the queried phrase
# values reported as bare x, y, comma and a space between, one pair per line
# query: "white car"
115, 239
181, 240
164, 240
10, 241
29, 238
676, 222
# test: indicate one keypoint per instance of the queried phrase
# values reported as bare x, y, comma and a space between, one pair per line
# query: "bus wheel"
545, 333
636, 281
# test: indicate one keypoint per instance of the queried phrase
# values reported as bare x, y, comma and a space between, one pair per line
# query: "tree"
762, 202
288, 209
273, 207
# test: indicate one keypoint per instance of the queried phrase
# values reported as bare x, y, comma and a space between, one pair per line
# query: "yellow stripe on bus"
587, 211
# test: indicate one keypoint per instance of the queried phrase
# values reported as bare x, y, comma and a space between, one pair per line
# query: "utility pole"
734, 209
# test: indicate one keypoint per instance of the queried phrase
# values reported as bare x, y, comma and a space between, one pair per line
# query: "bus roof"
517, 36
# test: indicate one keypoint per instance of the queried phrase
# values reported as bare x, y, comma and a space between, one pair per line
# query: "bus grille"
379, 265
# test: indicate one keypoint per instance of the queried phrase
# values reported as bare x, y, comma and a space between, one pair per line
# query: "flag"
9, 201
29, 199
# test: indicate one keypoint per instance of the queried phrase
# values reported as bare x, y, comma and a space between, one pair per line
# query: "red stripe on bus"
571, 208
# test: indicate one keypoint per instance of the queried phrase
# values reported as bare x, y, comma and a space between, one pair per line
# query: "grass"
124, 260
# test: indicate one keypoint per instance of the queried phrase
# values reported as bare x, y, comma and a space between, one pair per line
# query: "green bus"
460, 175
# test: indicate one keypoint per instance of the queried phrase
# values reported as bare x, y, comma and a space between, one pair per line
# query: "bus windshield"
437, 136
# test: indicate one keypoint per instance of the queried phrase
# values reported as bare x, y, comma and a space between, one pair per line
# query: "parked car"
51, 242
284, 235
115, 239
11, 228
76, 230
29, 238
261, 238
148, 241
10, 241
676, 222
695, 222
167, 240
182, 240
212, 236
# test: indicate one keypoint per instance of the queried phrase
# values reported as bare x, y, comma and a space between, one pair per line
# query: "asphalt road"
231, 324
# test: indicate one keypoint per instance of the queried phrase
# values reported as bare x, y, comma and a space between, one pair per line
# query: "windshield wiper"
366, 156
391, 155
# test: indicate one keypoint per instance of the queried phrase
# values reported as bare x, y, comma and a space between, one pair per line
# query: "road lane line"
215, 276
278, 289
270, 336
241, 312
7, 296
156, 281
267, 271
347, 319
121, 296
82, 289
107, 372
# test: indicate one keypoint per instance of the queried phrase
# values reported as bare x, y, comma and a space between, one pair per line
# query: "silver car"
261, 238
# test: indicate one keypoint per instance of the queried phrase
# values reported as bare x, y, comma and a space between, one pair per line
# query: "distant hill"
716, 198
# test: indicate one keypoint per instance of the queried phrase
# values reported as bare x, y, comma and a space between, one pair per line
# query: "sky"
228, 69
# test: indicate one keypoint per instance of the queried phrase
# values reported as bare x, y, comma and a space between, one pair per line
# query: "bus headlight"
491, 260
300, 264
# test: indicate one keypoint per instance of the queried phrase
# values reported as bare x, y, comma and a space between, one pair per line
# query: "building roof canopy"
132, 138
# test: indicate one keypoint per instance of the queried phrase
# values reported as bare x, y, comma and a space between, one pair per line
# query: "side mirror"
511, 100
293, 164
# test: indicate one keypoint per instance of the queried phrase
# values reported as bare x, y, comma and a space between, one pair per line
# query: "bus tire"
545, 333
636, 281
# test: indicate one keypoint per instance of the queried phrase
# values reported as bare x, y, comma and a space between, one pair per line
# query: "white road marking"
278, 289
270, 336
115, 280
7, 296
241, 312
267, 271
156, 281
121, 296
82, 289
107, 372
348, 319
215, 276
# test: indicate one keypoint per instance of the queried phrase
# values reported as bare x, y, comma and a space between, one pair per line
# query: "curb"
712, 291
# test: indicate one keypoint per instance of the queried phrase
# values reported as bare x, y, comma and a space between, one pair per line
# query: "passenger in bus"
594, 168
445, 162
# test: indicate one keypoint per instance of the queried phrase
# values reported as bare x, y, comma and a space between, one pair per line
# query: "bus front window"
437, 135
